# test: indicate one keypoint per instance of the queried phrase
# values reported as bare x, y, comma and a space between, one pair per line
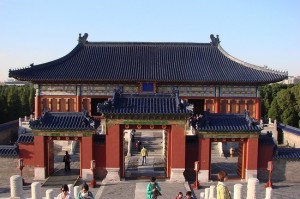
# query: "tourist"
188, 195
132, 134
179, 196
153, 189
64, 193
85, 193
144, 154
138, 145
67, 160
222, 190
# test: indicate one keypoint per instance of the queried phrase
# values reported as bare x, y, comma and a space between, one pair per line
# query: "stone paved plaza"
130, 189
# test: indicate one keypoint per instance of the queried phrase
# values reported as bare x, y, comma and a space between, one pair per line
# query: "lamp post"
270, 168
196, 168
21, 166
93, 166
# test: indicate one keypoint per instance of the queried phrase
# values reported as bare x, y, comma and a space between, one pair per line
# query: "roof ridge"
146, 43
261, 68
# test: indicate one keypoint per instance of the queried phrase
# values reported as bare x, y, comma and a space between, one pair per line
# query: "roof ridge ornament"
215, 41
82, 39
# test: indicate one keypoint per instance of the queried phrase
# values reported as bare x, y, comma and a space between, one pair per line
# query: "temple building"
195, 94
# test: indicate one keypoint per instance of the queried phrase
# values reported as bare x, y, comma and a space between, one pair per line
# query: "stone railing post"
20, 121
252, 188
50, 194
268, 193
76, 191
212, 192
202, 195
36, 190
207, 193
237, 192
71, 189
16, 186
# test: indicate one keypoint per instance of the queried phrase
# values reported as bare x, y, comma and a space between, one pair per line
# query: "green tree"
274, 110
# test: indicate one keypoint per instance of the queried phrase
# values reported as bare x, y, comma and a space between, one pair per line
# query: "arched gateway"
196, 94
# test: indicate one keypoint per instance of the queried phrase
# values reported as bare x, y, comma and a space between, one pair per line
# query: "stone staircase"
152, 141
221, 160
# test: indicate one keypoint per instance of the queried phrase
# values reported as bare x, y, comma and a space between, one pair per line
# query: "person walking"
85, 193
144, 154
64, 193
179, 196
67, 160
153, 189
222, 189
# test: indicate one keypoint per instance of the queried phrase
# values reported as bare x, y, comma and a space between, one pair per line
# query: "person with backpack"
153, 189
85, 193
222, 189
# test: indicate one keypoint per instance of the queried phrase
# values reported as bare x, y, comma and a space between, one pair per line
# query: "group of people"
154, 190
83, 194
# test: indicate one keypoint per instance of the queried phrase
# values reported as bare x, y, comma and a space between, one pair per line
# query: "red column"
86, 152
257, 109
204, 153
39, 151
177, 147
78, 103
37, 107
252, 154
112, 145
217, 105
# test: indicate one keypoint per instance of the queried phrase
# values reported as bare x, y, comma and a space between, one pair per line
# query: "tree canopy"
281, 102
15, 102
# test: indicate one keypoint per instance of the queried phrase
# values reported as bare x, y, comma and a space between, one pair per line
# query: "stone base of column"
113, 176
177, 175
250, 174
87, 174
39, 173
203, 176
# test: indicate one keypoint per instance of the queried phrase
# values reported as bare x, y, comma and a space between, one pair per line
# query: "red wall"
252, 154
177, 147
113, 147
26, 151
39, 148
86, 152
100, 155
191, 153
204, 153
265, 152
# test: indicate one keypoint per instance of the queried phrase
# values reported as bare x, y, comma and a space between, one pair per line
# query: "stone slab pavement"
136, 189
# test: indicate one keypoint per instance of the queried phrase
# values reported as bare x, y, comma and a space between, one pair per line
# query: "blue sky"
258, 32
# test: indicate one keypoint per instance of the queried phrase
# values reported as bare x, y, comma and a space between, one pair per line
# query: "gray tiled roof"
26, 138
8, 150
288, 153
151, 103
64, 121
215, 122
140, 61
